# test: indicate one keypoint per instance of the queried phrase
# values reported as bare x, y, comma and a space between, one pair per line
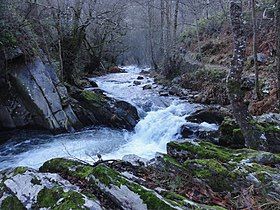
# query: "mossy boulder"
217, 175
25, 188
123, 192
227, 169
231, 134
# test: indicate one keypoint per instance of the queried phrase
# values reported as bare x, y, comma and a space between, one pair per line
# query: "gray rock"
147, 87
137, 82
35, 99
135, 160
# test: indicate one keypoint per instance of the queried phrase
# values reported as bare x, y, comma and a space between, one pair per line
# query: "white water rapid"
162, 118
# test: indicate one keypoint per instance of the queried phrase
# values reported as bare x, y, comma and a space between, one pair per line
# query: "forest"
139, 104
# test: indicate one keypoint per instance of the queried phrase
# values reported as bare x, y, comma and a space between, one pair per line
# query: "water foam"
155, 131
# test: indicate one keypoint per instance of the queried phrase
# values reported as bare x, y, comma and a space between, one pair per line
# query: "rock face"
33, 97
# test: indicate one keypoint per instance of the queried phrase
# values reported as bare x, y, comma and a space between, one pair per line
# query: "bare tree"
253, 137
278, 48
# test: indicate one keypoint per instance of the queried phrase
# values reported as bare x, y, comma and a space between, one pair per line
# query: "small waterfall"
154, 131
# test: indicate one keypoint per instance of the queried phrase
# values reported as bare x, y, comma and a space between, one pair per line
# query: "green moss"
172, 161
12, 203
57, 199
92, 96
213, 172
149, 197
20, 170
203, 150
108, 176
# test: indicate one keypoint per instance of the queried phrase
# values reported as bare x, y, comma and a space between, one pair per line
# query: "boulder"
209, 115
231, 135
147, 87
228, 170
24, 188
140, 77
93, 84
95, 108
136, 82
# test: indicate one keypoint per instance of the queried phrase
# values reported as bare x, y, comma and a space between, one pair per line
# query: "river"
161, 120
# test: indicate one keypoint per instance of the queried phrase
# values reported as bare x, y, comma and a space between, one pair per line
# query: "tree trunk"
253, 137
162, 42
198, 39
151, 32
255, 50
176, 20
278, 48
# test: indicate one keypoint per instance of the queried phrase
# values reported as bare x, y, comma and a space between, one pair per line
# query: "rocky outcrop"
33, 97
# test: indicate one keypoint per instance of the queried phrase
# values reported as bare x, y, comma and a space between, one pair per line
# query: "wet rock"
147, 87
93, 84
93, 107
163, 93
137, 82
209, 115
175, 91
186, 131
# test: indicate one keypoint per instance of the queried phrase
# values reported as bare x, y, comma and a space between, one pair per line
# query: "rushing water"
161, 120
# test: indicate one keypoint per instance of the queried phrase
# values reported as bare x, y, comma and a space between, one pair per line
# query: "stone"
163, 93
209, 115
136, 82
135, 160
94, 107
140, 77
93, 84
147, 87
186, 132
